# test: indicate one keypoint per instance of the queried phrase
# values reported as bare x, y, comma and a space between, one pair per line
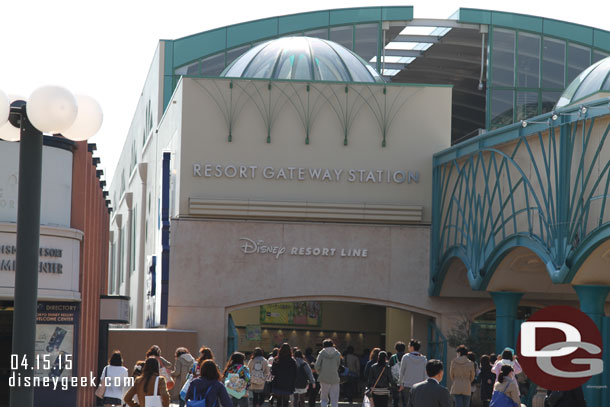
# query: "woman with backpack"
237, 376
184, 365
259, 374
205, 353
284, 372
304, 376
372, 360
208, 386
507, 384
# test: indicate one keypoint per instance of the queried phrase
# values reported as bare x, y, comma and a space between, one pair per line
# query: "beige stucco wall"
417, 119
212, 276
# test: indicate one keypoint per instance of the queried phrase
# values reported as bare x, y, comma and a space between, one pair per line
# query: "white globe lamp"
51, 109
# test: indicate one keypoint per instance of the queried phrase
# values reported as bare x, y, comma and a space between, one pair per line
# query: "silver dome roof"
302, 58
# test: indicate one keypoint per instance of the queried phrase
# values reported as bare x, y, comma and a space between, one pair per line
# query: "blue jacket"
200, 385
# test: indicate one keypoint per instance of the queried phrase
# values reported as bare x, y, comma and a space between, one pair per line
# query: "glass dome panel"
328, 64
356, 66
295, 61
606, 86
236, 68
592, 82
261, 66
302, 58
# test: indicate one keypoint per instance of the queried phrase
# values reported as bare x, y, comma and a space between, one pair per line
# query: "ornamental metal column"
592, 302
506, 315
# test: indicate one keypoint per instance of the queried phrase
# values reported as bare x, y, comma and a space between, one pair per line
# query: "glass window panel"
591, 79
366, 40
234, 53
322, 33
503, 57
527, 105
327, 65
553, 63
191, 69
528, 60
501, 107
579, 58
214, 65
343, 35
599, 55
236, 68
355, 65
549, 99
263, 63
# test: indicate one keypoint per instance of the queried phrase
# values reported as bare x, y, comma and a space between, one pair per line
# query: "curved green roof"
219, 47
199, 45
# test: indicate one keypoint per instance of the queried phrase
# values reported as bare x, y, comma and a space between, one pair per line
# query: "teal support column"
506, 314
592, 302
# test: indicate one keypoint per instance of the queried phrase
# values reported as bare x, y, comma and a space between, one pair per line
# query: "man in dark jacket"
430, 393
570, 398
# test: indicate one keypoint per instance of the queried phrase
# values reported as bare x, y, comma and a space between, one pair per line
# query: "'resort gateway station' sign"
353, 175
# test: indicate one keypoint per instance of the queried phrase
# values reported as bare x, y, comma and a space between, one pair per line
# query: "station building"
364, 175
72, 269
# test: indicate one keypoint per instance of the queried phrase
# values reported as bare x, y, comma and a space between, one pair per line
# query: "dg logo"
560, 348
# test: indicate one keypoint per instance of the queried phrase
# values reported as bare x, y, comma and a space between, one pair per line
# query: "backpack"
396, 368
301, 380
257, 375
200, 402
235, 385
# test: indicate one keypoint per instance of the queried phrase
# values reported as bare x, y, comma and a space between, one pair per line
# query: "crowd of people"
289, 375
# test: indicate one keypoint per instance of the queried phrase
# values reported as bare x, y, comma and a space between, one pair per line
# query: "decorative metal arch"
542, 184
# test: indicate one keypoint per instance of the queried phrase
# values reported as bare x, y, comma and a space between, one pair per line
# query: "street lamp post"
51, 110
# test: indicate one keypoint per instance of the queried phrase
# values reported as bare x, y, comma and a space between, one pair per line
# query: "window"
190, 69
553, 63
234, 53
579, 58
366, 36
501, 107
214, 65
528, 60
132, 257
503, 57
112, 285
322, 33
343, 35
598, 56
527, 105
122, 243
549, 100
